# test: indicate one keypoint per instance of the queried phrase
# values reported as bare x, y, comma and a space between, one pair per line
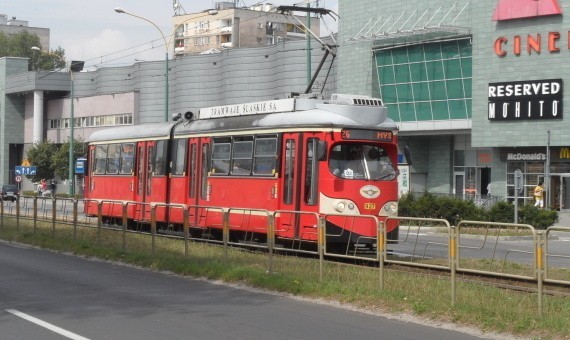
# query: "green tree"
20, 45
61, 157
40, 155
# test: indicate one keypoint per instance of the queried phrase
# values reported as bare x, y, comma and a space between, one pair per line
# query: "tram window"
193, 171
241, 158
311, 178
289, 171
265, 159
361, 161
100, 159
113, 158
221, 156
180, 156
127, 158
205, 169
159, 158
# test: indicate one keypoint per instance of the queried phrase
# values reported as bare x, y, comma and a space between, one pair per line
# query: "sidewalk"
563, 219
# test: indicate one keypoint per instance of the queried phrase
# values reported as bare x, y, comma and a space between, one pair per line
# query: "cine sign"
526, 100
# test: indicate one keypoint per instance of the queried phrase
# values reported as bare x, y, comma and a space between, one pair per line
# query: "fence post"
17, 212
185, 226
99, 220
153, 229
53, 215
453, 261
539, 242
1, 214
321, 244
226, 232
271, 241
380, 248
35, 213
75, 213
125, 221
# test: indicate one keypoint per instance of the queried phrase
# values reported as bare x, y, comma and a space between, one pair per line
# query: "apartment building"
227, 26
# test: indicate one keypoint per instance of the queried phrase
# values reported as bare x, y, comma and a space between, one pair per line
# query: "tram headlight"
340, 206
389, 209
351, 206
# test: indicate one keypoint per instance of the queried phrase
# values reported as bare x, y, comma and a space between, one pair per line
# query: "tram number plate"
369, 206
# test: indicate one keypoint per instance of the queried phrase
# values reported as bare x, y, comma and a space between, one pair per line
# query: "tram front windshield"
361, 161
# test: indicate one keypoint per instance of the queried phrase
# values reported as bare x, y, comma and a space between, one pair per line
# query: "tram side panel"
110, 177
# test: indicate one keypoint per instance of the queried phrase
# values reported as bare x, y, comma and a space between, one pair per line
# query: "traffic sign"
18, 178
26, 170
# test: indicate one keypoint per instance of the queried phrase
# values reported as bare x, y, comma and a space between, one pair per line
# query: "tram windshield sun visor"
361, 161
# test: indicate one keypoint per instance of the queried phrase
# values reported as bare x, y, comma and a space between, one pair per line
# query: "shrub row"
455, 210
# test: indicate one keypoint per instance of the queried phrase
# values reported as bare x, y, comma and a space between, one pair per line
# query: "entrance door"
459, 183
563, 202
559, 196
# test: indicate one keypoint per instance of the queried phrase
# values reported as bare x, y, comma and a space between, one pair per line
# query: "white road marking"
49, 326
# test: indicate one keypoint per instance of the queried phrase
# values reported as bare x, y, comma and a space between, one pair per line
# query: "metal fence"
474, 247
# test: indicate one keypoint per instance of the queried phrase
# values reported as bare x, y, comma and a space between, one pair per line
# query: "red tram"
333, 157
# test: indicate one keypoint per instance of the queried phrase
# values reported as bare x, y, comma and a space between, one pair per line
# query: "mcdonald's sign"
564, 153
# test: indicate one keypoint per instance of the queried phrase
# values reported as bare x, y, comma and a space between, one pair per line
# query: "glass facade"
428, 81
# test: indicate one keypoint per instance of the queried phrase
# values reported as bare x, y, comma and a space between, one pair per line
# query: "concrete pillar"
38, 116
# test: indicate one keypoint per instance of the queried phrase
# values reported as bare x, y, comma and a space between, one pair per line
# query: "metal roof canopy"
403, 26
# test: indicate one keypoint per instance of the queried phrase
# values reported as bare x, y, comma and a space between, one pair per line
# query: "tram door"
299, 183
141, 182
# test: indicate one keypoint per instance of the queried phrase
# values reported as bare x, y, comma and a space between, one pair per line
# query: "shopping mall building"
477, 86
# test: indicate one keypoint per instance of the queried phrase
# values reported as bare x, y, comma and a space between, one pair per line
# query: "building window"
430, 81
94, 121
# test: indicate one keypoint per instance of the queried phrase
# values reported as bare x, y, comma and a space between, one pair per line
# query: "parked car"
10, 192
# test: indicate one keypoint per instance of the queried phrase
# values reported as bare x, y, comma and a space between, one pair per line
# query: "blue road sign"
26, 170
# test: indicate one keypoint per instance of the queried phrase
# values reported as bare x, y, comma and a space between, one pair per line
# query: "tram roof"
305, 113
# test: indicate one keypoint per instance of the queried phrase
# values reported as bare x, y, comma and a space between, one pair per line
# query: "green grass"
487, 308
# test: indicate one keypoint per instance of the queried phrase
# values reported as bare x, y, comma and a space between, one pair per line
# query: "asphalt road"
43, 295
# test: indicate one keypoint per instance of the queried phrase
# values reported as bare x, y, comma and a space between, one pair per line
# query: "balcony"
226, 44
226, 29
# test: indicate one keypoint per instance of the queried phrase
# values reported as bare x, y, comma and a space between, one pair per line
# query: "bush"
536, 217
443, 207
503, 212
455, 210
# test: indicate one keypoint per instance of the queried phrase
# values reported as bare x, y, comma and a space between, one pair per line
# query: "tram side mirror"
408, 155
322, 150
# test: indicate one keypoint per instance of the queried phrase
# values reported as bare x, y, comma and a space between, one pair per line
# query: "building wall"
11, 114
42, 33
491, 68
247, 27
358, 18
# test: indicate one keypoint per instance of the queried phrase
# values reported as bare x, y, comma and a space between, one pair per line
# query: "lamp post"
166, 89
73, 66
166, 47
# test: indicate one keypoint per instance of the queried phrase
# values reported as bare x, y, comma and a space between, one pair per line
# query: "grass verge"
487, 308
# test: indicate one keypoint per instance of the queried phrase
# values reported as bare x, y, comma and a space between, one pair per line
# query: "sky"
92, 31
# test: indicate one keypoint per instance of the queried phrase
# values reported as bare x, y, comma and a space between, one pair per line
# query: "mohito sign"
526, 100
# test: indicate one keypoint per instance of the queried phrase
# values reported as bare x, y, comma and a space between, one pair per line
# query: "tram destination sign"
525, 100
379, 135
270, 106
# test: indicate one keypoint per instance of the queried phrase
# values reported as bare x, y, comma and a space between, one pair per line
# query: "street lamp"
166, 47
166, 91
74, 66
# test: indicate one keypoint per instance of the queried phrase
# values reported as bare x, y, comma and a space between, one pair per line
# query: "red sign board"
517, 9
